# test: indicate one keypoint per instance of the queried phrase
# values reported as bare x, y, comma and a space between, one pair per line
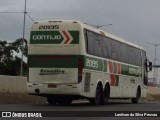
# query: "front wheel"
136, 99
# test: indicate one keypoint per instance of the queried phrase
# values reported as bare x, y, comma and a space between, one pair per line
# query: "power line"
20, 12
11, 12
30, 17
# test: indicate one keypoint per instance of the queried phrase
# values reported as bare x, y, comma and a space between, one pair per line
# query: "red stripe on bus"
119, 68
112, 77
110, 66
67, 37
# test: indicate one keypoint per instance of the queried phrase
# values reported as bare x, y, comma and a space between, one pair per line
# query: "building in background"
154, 81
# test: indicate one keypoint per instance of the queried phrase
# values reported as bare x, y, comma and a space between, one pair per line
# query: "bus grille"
87, 82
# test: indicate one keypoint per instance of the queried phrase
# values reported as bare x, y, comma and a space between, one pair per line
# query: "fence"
17, 84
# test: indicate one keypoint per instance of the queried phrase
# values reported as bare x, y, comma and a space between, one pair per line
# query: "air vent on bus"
87, 82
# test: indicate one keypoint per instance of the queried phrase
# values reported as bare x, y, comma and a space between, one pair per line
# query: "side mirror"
148, 65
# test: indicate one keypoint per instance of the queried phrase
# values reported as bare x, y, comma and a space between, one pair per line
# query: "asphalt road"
114, 107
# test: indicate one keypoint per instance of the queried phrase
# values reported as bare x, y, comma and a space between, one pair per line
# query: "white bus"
69, 60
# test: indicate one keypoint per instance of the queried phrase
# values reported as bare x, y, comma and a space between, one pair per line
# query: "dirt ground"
20, 98
153, 97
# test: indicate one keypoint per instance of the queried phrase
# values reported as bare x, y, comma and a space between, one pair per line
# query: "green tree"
10, 64
17, 46
6, 53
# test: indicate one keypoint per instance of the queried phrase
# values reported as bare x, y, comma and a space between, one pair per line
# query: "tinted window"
131, 55
90, 43
124, 52
95, 45
134, 56
98, 41
115, 50
102, 46
107, 47
138, 57
86, 40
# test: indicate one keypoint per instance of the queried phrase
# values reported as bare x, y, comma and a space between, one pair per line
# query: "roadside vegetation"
10, 63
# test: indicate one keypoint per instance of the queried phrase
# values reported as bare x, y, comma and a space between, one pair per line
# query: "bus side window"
107, 47
115, 50
94, 43
124, 53
91, 43
86, 40
98, 45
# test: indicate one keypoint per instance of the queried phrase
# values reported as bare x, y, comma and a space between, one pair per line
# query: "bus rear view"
54, 61
69, 60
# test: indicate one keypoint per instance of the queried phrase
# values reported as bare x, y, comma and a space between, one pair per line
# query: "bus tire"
98, 98
51, 100
136, 99
106, 95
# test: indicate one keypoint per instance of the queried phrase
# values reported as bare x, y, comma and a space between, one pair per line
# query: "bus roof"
99, 31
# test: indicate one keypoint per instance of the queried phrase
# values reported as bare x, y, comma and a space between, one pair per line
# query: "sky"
137, 21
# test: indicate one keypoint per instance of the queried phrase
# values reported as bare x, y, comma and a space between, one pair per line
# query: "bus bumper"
51, 88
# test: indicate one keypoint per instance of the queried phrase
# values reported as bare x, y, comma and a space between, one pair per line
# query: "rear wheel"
51, 100
106, 95
98, 98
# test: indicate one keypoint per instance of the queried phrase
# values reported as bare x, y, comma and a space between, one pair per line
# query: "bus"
69, 60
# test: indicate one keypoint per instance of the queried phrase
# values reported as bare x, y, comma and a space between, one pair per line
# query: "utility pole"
24, 22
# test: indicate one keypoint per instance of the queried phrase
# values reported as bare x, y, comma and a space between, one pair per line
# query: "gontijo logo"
54, 37
46, 37
59, 37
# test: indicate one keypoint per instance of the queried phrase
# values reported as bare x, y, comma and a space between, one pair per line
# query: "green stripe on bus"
115, 67
93, 63
65, 61
131, 71
117, 80
105, 65
53, 61
75, 36
71, 61
124, 69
